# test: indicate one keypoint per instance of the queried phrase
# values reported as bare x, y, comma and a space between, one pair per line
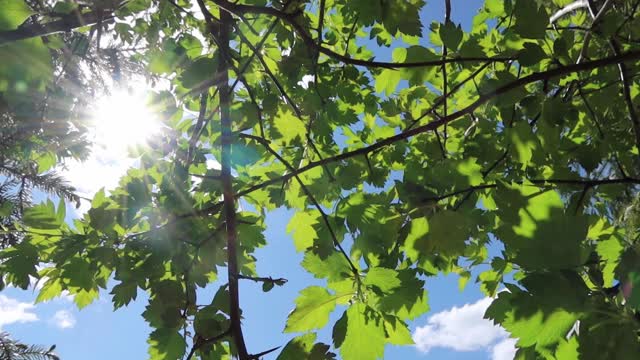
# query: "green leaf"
6, 208
409, 300
166, 344
415, 241
543, 315
192, 45
402, 16
64, 7
397, 331
208, 322
543, 236
301, 224
46, 162
313, 306
124, 293
84, 297
524, 142
383, 279
19, 263
51, 289
531, 20
42, 216
14, 13
568, 349
289, 126
387, 81
449, 231
365, 334
304, 347
267, 286
610, 251
198, 72
451, 35
333, 268
531, 55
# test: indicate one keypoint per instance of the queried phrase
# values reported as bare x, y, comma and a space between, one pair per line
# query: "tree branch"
67, 23
445, 95
278, 281
626, 91
286, 96
308, 193
200, 342
239, 9
221, 33
532, 78
263, 353
585, 183
567, 9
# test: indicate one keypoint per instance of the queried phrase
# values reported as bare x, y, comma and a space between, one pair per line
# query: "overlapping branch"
64, 24
483, 99
309, 194
289, 18
580, 183
220, 31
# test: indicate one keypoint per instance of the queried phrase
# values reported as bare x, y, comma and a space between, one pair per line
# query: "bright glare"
123, 119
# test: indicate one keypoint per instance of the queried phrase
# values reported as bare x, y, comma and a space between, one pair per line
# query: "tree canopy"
521, 134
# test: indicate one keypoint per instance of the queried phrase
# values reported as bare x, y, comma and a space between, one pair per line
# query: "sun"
123, 119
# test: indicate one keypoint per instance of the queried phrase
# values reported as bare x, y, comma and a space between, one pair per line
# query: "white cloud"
464, 329
14, 311
504, 350
63, 319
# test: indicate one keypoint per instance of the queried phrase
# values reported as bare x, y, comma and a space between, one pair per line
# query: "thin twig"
287, 98
278, 281
308, 193
532, 78
290, 19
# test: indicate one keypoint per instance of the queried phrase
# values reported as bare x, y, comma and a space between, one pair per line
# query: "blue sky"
453, 329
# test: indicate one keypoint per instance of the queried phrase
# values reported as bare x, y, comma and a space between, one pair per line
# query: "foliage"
522, 134
11, 349
46, 85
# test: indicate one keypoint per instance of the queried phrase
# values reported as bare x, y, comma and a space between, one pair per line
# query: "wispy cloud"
465, 329
14, 311
63, 319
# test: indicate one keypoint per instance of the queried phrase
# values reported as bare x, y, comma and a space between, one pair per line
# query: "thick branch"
67, 23
221, 31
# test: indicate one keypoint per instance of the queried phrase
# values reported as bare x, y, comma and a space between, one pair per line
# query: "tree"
522, 132
11, 349
44, 104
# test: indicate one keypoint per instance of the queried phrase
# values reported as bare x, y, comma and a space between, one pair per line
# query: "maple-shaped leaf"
363, 334
313, 307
